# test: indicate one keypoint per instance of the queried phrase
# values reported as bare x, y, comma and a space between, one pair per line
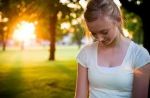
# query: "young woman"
113, 66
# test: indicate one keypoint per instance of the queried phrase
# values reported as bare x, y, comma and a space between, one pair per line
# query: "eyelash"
104, 33
93, 33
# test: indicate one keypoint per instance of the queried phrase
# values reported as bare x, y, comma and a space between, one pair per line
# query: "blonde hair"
97, 8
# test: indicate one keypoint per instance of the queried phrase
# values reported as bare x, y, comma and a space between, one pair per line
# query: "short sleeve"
142, 57
82, 57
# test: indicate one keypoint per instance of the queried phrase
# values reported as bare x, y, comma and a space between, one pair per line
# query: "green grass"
29, 74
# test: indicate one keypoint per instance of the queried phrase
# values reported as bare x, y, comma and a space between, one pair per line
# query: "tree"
54, 7
133, 24
13, 10
3, 22
78, 34
48, 10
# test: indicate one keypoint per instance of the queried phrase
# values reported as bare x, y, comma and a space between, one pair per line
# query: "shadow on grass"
11, 84
64, 86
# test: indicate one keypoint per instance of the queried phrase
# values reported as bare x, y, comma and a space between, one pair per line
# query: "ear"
118, 21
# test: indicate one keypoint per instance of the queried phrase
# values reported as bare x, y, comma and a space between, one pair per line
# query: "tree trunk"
3, 42
4, 46
53, 21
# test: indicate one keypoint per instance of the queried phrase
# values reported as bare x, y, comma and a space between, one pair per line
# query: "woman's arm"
141, 82
82, 84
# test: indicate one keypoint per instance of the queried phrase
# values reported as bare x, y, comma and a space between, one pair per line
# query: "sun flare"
24, 31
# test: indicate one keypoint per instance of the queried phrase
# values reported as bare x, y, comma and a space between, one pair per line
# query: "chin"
106, 43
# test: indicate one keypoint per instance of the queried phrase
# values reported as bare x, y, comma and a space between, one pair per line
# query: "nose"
101, 38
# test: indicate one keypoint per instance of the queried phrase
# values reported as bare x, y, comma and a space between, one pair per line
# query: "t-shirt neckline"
103, 67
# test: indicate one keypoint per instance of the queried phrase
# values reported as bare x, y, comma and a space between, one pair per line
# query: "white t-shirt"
112, 82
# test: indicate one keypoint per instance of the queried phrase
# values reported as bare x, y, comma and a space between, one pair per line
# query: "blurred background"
39, 41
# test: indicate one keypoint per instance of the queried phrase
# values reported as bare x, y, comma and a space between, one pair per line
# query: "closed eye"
93, 33
104, 32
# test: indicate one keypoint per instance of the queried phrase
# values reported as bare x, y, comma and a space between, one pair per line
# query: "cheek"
111, 36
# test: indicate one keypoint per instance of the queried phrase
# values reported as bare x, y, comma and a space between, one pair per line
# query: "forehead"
100, 24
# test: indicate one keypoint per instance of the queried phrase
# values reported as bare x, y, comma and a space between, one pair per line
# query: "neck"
115, 43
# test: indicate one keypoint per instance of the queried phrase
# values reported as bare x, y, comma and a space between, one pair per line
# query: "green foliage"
133, 23
78, 34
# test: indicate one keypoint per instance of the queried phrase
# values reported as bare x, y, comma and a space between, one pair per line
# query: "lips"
102, 43
105, 42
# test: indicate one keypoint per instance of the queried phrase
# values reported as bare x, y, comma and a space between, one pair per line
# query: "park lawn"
29, 74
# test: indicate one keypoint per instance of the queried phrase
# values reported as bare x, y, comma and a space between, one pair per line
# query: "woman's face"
104, 29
